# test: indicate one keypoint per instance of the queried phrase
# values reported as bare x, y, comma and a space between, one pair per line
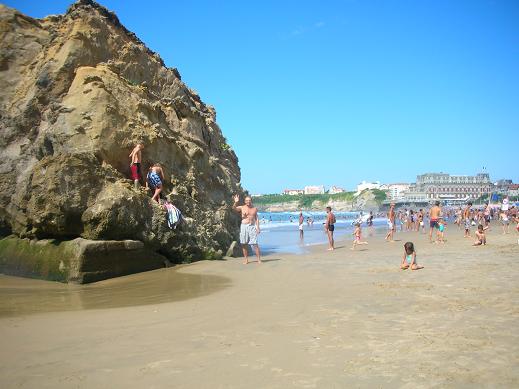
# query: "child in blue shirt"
409, 258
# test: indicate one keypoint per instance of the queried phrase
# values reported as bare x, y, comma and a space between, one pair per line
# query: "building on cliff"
318, 189
367, 186
335, 189
293, 192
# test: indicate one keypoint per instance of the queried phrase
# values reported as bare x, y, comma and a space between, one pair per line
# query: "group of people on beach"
409, 219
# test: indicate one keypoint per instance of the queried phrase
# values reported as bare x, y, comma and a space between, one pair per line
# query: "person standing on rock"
135, 164
154, 180
250, 228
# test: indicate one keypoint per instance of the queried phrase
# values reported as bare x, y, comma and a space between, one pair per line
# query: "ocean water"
280, 230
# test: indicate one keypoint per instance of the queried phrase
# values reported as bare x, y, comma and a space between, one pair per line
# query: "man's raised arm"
235, 206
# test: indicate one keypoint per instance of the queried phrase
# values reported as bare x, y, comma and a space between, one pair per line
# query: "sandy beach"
319, 320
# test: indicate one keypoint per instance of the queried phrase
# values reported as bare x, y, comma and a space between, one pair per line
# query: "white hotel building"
442, 186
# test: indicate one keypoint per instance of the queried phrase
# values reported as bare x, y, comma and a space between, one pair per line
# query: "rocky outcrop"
78, 260
78, 92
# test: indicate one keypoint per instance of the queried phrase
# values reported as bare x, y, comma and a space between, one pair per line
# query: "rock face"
78, 91
78, 260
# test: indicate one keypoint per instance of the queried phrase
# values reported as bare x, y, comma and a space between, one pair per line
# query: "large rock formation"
77, 91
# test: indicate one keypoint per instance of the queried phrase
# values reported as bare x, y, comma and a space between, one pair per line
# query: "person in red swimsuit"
135, 164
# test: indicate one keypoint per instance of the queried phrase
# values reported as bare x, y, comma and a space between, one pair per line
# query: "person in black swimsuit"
329, 226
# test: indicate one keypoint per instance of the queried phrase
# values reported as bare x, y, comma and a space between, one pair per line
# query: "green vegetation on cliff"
303, 201
380, 195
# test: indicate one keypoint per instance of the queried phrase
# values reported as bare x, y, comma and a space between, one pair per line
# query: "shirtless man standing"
135, 164
390, 223
434, 215
249, 228
486, 213
329, 226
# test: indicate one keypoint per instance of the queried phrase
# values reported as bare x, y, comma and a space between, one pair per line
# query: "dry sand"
337, 319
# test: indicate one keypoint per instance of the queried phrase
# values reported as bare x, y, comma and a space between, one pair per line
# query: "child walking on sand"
409, 258
441, 231
357, 235
481, 238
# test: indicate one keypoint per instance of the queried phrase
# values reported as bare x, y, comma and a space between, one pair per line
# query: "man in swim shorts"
434, 215
154, 181
249, 228
329, 227
135, 164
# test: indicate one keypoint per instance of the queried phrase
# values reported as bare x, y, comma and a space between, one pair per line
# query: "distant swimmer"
329, 227
301, 222
434, 215
135, 164
250, 228
369, 222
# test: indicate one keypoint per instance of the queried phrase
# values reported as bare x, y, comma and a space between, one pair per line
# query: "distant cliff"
368, 201
77, 92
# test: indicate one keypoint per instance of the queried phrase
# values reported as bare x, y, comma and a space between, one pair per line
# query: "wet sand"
323, 319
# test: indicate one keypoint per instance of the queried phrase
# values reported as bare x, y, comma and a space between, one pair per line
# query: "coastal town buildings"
513, 190
335, 189
318, 189
396, 191
367, 185
293, 192
443, 186
502, 186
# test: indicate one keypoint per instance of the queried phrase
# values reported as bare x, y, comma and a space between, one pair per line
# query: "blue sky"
336, 92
